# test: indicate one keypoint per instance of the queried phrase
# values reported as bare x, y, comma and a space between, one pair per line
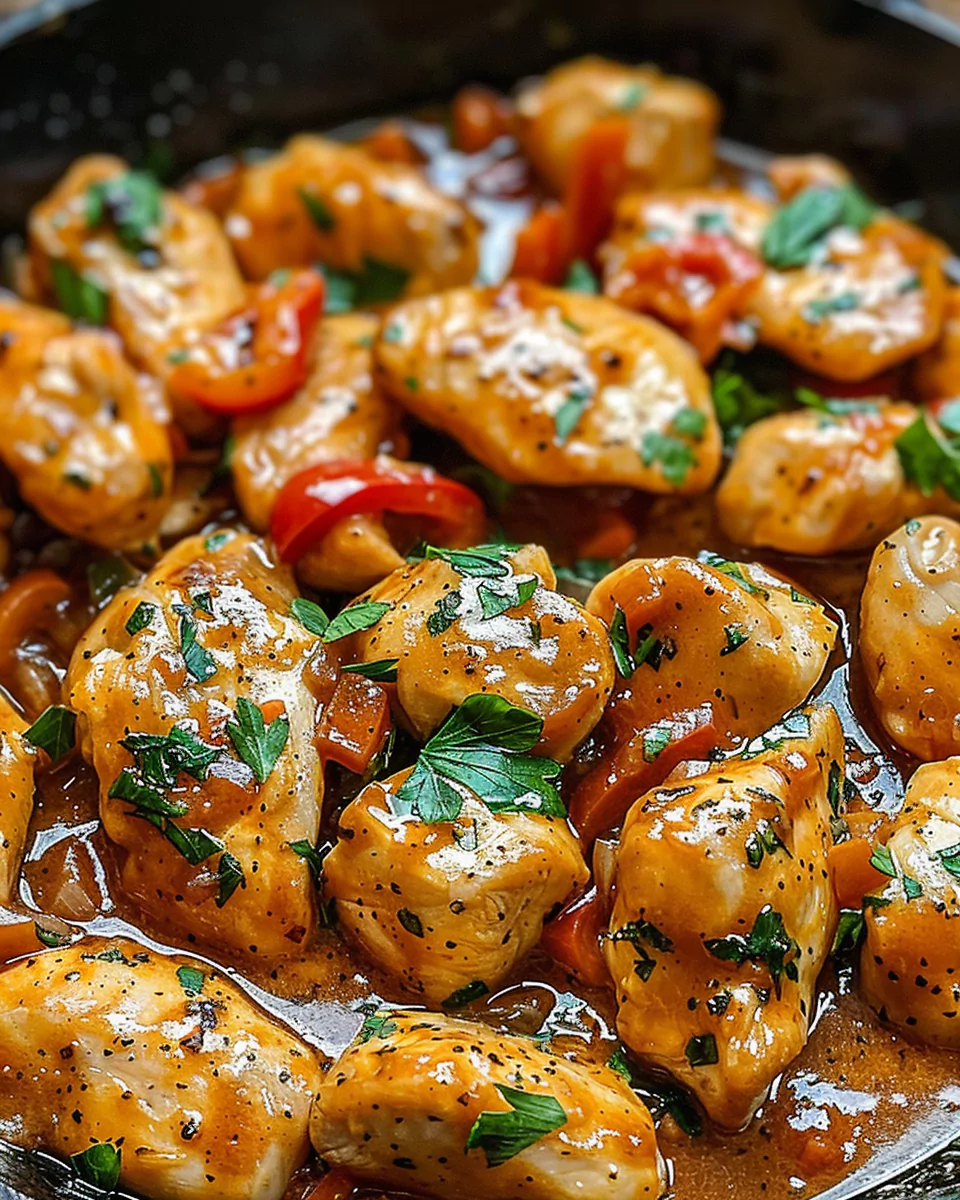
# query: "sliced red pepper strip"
694, 283
598, 176
539, 252
573, 937
354, 724
256, 358
315, 500
603, 798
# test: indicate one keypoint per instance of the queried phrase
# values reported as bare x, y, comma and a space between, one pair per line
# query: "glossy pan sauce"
859, 1084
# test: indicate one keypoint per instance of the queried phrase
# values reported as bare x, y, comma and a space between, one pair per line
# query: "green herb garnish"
354, 619
767, 942
383, 670
798, 229
98, 1165
503, 1135
80, 297
259, 745
54, 731
317, 209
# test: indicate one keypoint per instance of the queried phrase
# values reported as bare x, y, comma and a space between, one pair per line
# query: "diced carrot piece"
355, 723
598, 177
614, 537
539, 249
480, 116
389, 143
18, 938
573, 937
853, 876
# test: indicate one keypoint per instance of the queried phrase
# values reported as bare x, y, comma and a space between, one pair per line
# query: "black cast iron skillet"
874, 82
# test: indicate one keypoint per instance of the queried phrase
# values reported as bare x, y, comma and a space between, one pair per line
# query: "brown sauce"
857, 1089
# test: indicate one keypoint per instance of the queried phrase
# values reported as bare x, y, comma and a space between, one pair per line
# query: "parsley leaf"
950, 858
310, 854
317, 209
673, 455
257, 744
620, 643
383, 670
107, 575
738, 403
465, 995
799, 227
161, 757
930, 459
379, 1025
701, 1051
764, 840
825, 306
132, 203
478, 562
581, 279
503, 1135
735, 638
354, 619
141, 617
99, 1165
54, 731
585, 571
229, 877
655, 741
311, 616
410, 922
198, 660
882, 860
767, 942
568, 415
636, 933
191, 979
482, 746
850, 929
444, 613
80, 297
512, 593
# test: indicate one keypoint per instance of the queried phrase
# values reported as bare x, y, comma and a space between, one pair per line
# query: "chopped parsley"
317, 209
690, 422
141, 617
377, 283
259, 745
466, 995
735, 638
651, 649
478, 562
496, 599
950, 858
229, 877
733, 570
132, 203
701, 1051
80, 297
311, 616
98, 1165
311, 855
764, 841
107, 575
410, 922
620, 643
826, 306
191, 979
503, 1135
567, 416
581, 279
882, 860
378, 1025
798, 229
850, 930
637, 933
585, 571
482, 746
633, 96
739, 404
674, 456
198, 660
54, 731
793, 725
930, 455
444, 613
767, 942
655, 741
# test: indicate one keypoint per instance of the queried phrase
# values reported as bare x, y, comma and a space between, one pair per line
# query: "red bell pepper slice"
598, 176
603, 798
573, 937
539, 252
316, 499
257, 358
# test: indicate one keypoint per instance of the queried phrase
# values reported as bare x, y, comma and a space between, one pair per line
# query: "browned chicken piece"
162, 282
462, 624
554, 387
734, 635
909, 630
17, 762
448, 906
908, 963
724, 913
84, 433
340, 412
197, 692
875, 301
419, 1101
936, 373
865, 301
322, 201
200, 1093
816, 483
673, 121
792, 173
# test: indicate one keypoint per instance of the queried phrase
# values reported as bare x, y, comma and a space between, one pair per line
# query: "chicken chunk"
197, 693
876, 300
201, 1094
792, 173
936, 373
724, 913
909, 629
859, 303
340, 412
813, 482
722, 646
162, 277
554, 387
17, 762
463, 623
83, 432
322, 201
448, 905
908, 962
673, 121
420, 1102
